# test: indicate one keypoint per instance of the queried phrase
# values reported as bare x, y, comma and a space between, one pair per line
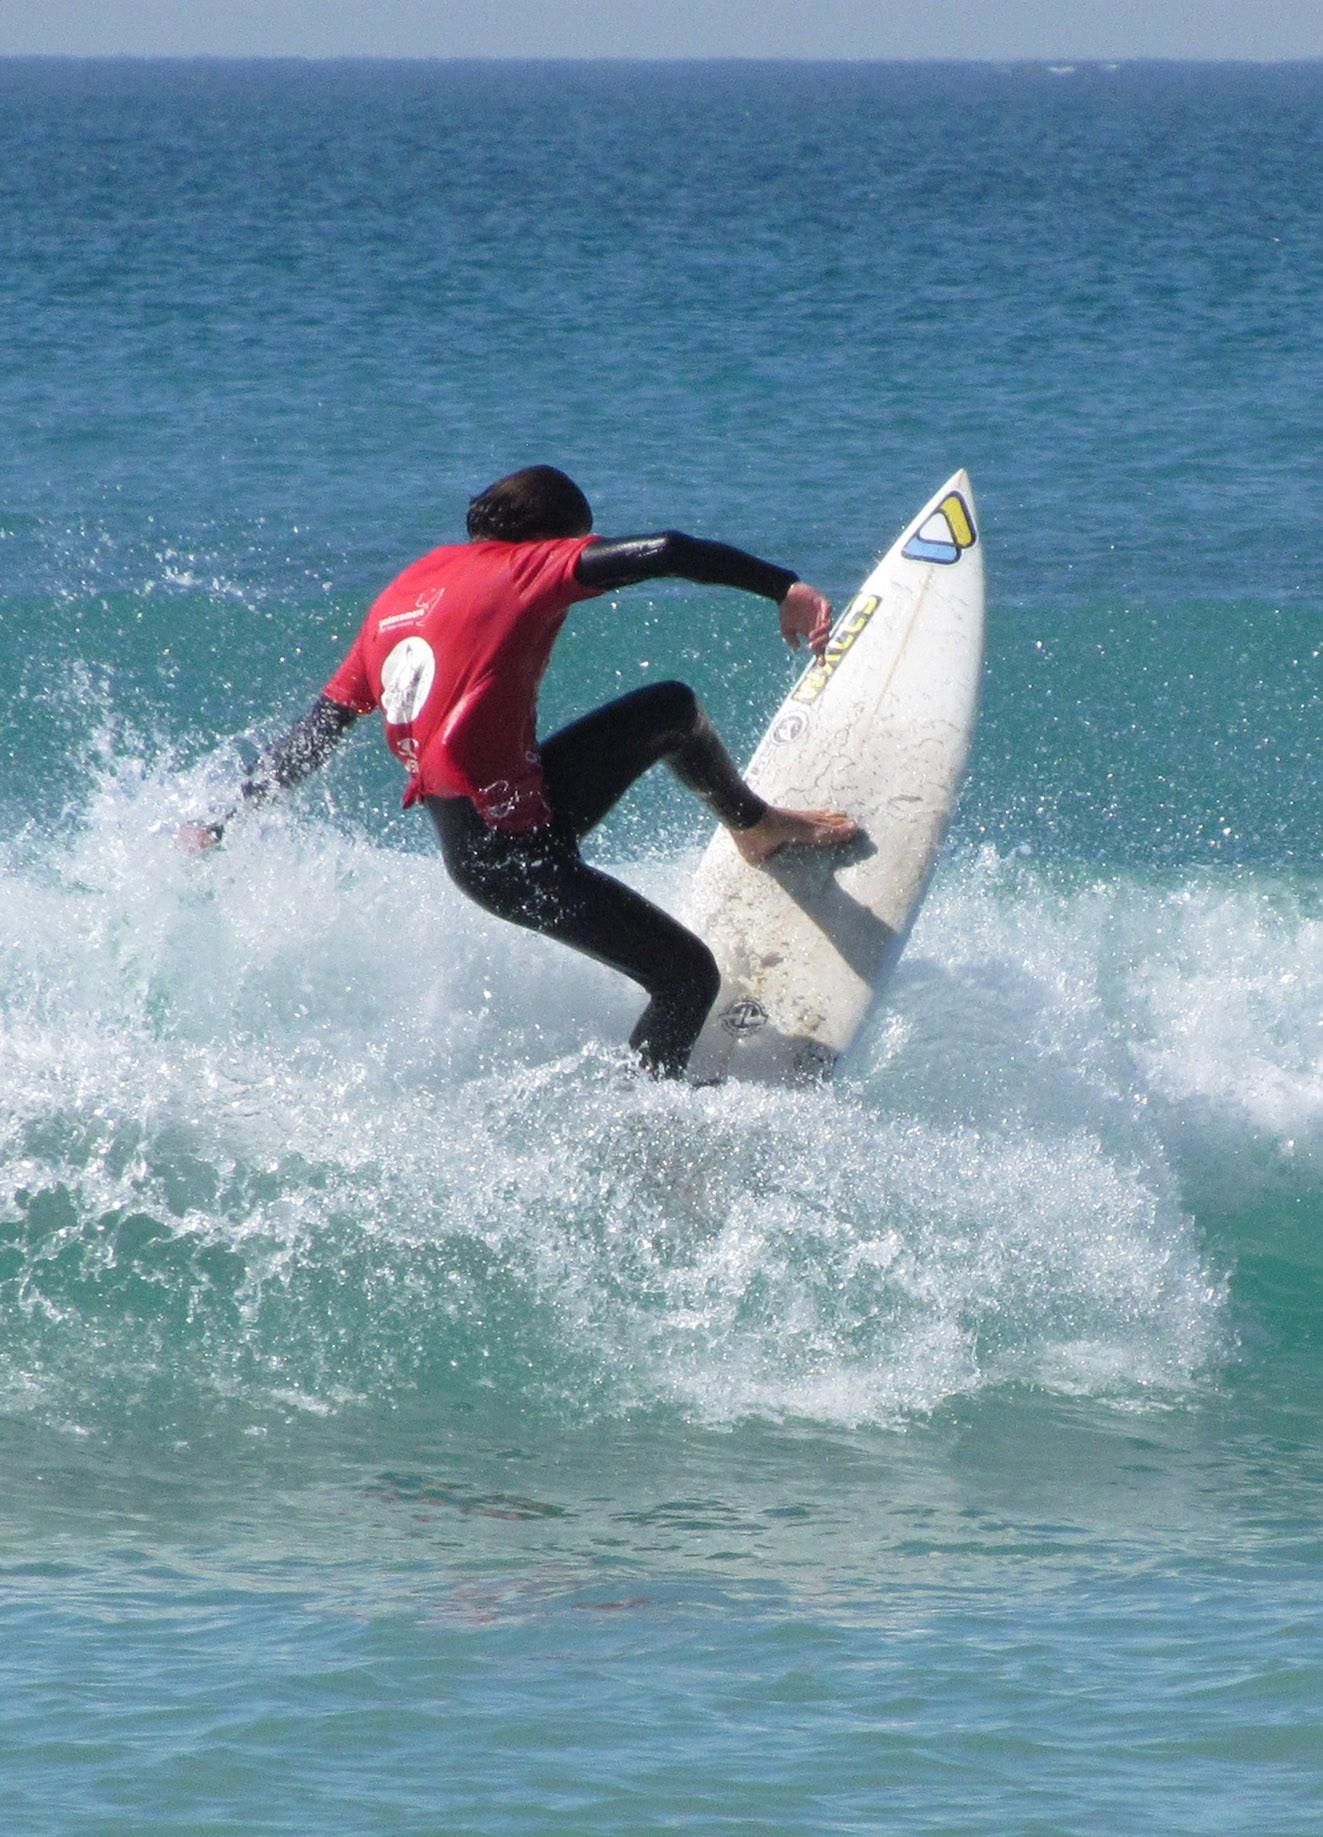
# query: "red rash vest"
453, 653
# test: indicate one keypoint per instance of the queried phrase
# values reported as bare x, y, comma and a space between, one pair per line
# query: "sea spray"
291, 1118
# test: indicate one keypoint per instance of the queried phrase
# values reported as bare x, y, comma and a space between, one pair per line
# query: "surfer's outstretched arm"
670, 554
301, 750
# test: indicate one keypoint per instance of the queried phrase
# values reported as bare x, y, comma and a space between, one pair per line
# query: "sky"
1052, 30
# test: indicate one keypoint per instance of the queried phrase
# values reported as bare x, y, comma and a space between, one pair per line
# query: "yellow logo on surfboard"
857, 614
944, 534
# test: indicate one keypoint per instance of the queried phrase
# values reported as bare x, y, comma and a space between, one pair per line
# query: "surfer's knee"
678, 709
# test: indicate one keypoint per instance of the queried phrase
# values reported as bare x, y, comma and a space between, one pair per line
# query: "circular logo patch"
789, 727
744, 1016
406, 681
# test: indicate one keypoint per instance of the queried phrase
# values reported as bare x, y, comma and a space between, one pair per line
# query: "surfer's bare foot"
807, 828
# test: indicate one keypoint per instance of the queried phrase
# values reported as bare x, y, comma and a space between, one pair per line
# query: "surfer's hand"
806, 613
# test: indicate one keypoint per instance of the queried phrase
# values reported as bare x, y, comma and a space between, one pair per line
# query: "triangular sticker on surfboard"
945, 534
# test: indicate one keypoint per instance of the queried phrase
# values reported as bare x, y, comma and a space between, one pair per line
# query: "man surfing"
453, 653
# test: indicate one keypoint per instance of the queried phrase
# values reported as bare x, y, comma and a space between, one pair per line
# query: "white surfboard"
881, 729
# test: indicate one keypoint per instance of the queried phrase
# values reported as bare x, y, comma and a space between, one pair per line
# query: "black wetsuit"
538, 878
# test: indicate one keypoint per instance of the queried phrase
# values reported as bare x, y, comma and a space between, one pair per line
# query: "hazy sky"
1051, 29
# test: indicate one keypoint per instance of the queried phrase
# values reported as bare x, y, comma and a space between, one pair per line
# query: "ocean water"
407, 1425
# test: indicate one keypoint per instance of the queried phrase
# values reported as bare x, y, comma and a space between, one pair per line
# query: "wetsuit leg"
589, 765
541, 881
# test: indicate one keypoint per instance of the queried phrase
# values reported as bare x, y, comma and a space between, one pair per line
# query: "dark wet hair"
537, 501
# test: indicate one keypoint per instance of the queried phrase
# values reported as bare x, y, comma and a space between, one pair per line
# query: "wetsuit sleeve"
306, 746
626, 560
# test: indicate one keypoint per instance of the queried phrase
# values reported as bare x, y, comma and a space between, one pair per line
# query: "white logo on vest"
406, 681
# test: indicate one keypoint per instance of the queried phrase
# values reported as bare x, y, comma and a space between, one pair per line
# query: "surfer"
453, 653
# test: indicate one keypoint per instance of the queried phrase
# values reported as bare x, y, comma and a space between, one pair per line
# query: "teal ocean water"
406, 1426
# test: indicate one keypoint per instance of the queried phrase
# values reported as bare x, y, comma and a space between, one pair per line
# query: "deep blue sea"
408, 1426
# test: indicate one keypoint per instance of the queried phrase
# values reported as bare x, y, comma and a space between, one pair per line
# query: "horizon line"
1055, 62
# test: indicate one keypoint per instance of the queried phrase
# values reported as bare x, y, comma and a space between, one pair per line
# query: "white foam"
308, 1051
